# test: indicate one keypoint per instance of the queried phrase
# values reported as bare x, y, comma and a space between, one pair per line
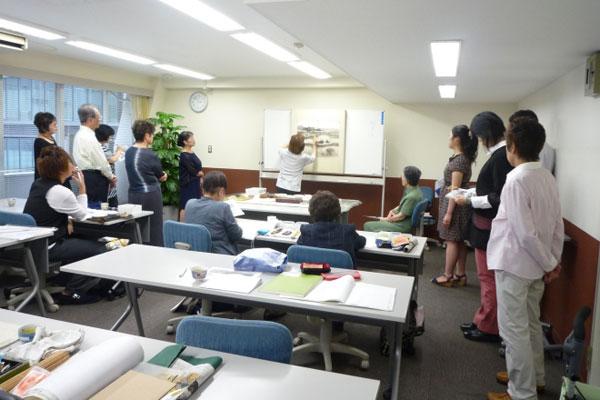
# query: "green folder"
297, 286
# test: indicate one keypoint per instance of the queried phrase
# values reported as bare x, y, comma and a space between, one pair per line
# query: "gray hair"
412, 175
87, 111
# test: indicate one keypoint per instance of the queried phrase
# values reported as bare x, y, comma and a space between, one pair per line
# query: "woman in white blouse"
292, 163
51, 204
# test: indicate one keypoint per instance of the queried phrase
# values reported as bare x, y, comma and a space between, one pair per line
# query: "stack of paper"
357, 294
231, 281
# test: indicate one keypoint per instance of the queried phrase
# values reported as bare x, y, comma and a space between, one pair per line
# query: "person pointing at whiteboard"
292, 163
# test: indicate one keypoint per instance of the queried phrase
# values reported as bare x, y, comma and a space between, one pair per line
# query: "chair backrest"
187, 236
336, 258
418, 212
427, 193
10, 218
266, 340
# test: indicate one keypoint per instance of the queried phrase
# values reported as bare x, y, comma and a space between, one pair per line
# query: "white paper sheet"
235, 208
90, 371
231, 281
332, 291
9, 333
372, 296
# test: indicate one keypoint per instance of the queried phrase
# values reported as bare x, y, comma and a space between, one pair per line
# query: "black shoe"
478, 336
75, 298
270, 315
468, 326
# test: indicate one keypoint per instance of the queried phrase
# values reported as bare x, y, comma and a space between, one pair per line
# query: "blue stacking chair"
427, 193
417, 217
326, 343
194, 237
266, 340
26, 294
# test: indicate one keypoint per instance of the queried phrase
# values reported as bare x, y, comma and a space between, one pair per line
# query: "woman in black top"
190, 172
51, 205
145, 174
489, 129
45, 122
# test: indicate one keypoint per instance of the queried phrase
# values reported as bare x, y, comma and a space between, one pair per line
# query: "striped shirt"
143, 170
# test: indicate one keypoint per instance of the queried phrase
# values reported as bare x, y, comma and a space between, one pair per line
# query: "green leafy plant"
165, 147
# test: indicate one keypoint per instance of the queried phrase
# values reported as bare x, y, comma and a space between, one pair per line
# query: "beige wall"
233, 123
70, 71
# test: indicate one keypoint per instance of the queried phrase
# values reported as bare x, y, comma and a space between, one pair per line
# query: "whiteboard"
364, 142
277, 132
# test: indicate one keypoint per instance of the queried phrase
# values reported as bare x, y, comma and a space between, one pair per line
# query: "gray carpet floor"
445, 365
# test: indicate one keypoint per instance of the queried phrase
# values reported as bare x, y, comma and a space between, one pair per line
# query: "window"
23, 98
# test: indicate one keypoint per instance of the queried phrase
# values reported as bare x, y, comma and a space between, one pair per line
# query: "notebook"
347, 291
231, 281
135, 386
291, 285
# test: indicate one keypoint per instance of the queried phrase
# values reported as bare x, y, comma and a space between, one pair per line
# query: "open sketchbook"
348, 292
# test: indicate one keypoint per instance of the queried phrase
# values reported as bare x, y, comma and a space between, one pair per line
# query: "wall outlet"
209, 148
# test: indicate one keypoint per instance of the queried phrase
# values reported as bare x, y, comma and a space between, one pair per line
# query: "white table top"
238, 377
161, 267
23, 234
269, 205
250, 228
20, 206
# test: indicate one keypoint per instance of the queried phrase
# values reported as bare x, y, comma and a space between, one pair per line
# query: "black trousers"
96, 185
285, 191
71, 250
151, 201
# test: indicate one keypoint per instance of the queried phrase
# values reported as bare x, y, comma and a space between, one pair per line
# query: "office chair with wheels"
326, 343
15, 295
266, 340
178, 235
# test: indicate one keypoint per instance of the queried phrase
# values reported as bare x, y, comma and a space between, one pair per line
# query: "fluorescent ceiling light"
447, 91
445, 58
183, 71
264, 45
110, 52
205, 14
28, 30
309, 69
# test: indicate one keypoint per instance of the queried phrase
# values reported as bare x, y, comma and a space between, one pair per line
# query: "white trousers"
520, 327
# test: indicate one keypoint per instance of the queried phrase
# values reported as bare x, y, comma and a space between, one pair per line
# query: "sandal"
448, 282
460, 280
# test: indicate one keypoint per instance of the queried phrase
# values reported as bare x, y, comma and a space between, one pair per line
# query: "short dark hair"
52, 162
140, 128
213, 181
183, 136
412, 175
523, 114
526, 137
104, 132
489, 127
87, 111
42, 121
324, 206
296, 144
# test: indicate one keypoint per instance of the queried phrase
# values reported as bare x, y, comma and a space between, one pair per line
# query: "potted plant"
165, 146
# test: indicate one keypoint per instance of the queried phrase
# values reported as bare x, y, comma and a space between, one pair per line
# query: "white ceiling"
510, 48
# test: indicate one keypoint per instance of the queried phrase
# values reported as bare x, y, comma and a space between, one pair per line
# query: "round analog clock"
198, 101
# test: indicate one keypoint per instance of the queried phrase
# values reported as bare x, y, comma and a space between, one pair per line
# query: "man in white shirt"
88, 154
524, 249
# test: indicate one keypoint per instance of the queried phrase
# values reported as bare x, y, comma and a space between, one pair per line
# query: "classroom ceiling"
510, 48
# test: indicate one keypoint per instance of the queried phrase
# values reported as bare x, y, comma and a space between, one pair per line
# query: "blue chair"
417, 217
23, 295
326, 343
427, 193
336, 258
266, 340
194, 237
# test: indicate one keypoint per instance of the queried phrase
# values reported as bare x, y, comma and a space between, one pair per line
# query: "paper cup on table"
199, 272
104, 206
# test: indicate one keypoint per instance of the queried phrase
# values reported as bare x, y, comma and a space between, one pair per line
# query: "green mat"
297, 286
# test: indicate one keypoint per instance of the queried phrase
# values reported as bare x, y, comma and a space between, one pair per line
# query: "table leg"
395, 361
133, 300
206, 308
137, 233
123, 316
35, 282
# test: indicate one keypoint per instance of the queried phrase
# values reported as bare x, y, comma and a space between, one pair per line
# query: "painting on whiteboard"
326, 128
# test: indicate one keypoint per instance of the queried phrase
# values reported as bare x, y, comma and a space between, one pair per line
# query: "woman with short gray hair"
399, 219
